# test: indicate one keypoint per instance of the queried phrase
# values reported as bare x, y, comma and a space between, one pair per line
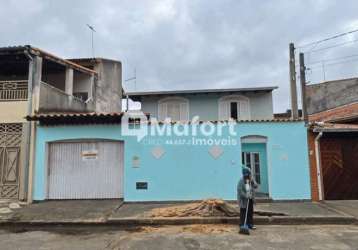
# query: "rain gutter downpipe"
29, 131
318, 165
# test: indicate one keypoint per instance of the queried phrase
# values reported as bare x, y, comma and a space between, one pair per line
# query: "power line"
333, 59
332, 64
329, 60
348, 61
333, 46
327, 39
324, 66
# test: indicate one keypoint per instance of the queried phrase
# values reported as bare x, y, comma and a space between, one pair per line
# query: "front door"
10, 145
254, 157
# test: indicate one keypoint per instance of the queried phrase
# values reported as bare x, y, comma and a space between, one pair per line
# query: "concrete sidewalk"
69, 211
295, 213
117, 213
7, 207
346, 206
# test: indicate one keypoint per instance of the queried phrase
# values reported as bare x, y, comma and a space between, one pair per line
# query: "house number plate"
89, 155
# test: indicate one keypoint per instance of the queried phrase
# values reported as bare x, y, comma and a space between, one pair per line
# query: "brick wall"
348, 110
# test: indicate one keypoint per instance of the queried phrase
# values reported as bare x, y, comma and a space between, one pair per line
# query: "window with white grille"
175, 108
235, 107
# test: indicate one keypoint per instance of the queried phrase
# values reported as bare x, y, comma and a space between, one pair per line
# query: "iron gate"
10, 145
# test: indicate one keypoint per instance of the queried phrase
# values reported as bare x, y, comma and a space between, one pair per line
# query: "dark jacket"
243, 195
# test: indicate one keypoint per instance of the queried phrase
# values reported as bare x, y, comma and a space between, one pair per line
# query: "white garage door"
85, 170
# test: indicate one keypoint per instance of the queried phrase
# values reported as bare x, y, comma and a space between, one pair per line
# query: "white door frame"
253, 171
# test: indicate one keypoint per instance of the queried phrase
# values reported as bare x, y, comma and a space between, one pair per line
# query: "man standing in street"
246, 198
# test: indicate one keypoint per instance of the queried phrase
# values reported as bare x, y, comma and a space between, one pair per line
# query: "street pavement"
191, 237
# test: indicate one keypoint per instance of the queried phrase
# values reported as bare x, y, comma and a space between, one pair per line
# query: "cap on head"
246, 172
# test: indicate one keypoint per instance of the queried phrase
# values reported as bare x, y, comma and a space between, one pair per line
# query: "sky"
193, 44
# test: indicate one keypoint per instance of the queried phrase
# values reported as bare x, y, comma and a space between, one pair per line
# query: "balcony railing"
13, 90
55, 100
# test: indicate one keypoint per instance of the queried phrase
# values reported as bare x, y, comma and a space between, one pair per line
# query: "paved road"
189, 238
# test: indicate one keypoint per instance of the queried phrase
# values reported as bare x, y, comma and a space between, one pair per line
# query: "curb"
318, 220
259, 220
127, 222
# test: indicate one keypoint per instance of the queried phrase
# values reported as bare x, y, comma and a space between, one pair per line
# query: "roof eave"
204, 91
38, 52
334, 130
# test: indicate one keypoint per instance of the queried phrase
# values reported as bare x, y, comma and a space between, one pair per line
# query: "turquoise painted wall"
206, 105
187, 172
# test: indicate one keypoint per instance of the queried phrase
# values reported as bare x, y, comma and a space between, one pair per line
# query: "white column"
69, 81
36, 83
91, 89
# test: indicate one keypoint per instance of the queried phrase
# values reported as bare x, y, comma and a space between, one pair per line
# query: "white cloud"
183, 44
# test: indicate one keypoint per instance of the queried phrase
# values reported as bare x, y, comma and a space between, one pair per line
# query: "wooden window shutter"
224, 110
162, 111
184, 111
244, 110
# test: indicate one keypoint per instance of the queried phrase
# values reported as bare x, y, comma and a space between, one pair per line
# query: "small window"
173, 111
257, 168
81, 95
233, 110
134, 123
235, 107
175, 108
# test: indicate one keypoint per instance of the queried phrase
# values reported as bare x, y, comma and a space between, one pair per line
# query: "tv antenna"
133, 78
92, 34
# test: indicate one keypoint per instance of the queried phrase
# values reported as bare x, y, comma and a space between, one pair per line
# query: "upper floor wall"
13, 112
55, 84
51, 83
108, 88
209, 106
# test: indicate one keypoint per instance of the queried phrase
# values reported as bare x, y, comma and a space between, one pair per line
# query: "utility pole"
294, 108
303, 87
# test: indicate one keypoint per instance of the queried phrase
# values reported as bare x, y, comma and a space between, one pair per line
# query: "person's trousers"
250, 214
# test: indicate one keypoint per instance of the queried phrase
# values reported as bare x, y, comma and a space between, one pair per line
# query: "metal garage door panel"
85, 170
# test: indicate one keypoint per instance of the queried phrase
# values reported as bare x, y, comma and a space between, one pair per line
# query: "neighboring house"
208, 104
331, 94
33, 81
287, 114
102, 150
109, 82
333, 139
